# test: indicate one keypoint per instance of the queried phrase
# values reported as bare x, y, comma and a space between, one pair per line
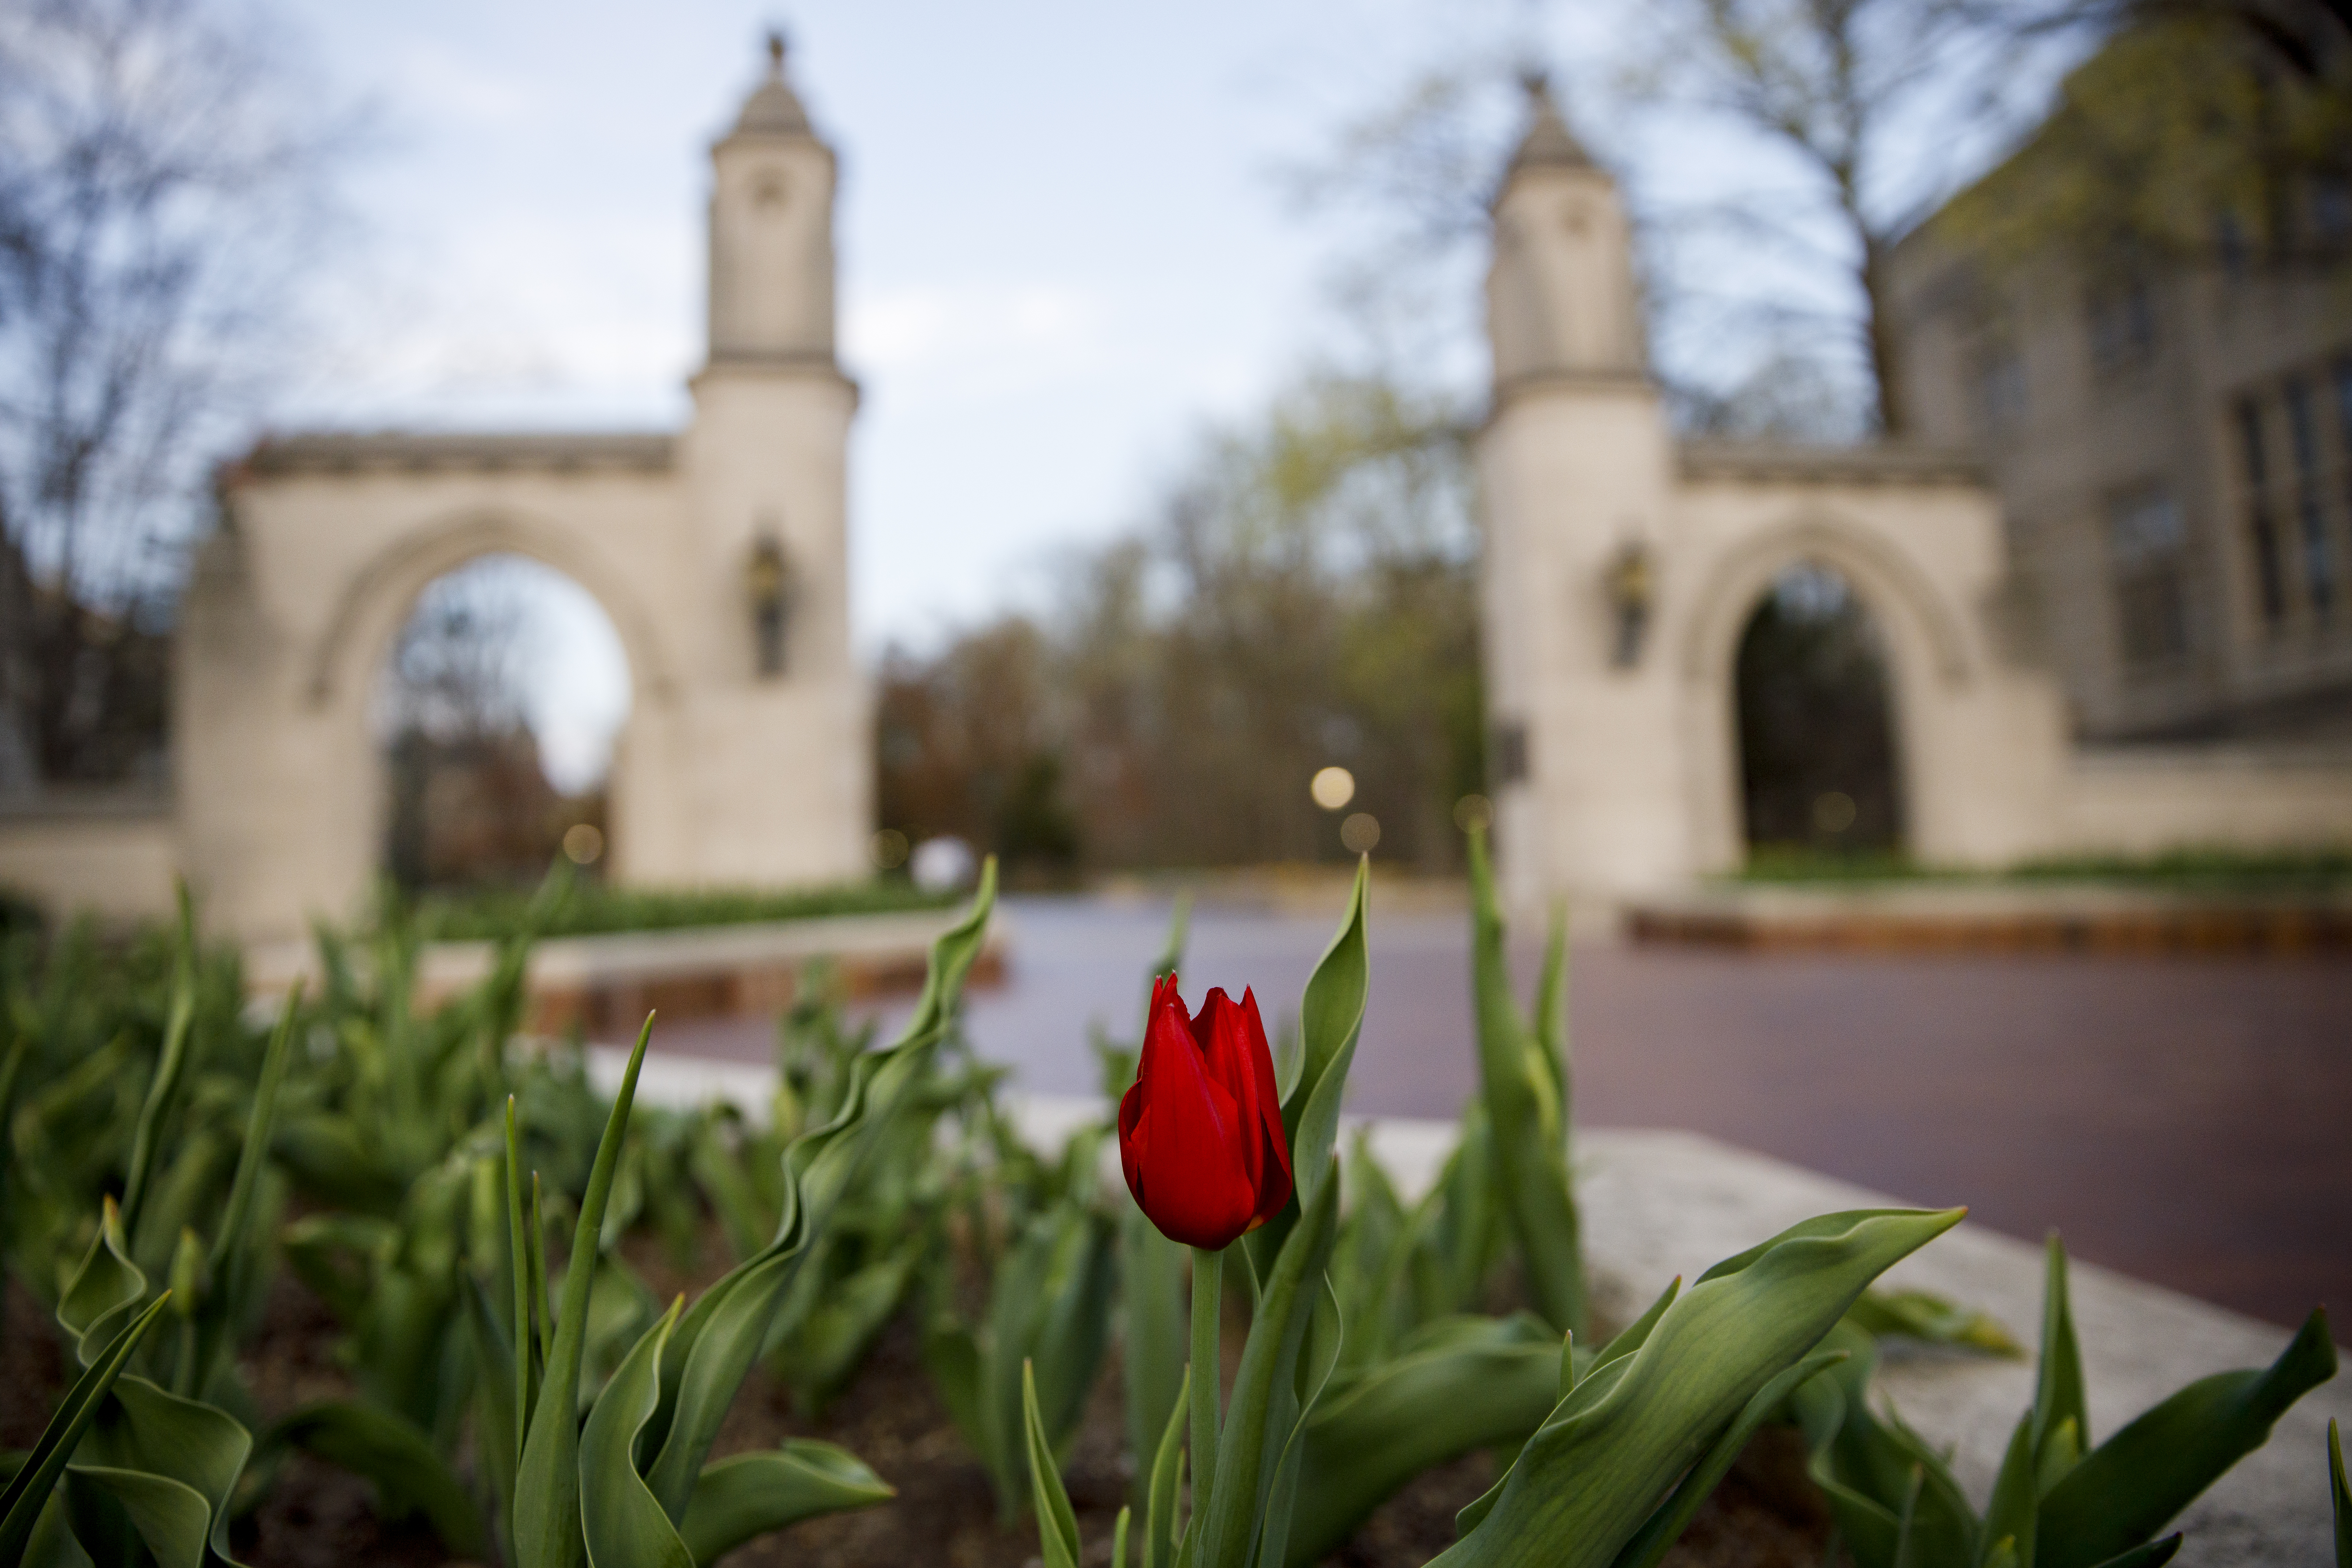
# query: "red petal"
1274, 1168
1226, 1046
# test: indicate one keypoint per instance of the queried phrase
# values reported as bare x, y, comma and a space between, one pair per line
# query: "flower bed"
392, 1246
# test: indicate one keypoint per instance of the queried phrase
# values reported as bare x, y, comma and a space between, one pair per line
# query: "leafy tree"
1305, 596
2200, 132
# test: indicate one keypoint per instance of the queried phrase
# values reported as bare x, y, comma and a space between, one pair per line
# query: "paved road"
2185, 1119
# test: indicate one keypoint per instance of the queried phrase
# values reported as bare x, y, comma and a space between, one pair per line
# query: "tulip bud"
1200, 1132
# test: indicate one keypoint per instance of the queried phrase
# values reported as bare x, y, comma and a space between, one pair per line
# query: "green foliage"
434, 1159
2059, 1503
588, 909
141, 1457
1302, 1449
2177, 125
2215, 869
1523, 1076
1306, 593
1454, 1387
1048, 1324
1706, 1368
1930, 1319
553, 1412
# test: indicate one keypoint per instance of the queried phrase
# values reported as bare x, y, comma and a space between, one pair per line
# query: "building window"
2147, 544
2261, 533
2331, 212
2121, 318
2318, 557
1999, 385
2229, 244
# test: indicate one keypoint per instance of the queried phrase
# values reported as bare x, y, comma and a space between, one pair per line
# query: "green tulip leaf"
1933, 1320
747, 1495
1167, 1482
1150, 1281
1457, 1386
1249, 1447
1586, 1482
197, 1449
2132, 1485
2015, 1506
621, 1519
713, 1347
1526, 1104
2058, 1393
164, 1088
1665, 1527
1330, 1021
2339, 1493
105, 1291
1058, 1525
169, 1516
547, 1528
27, 1491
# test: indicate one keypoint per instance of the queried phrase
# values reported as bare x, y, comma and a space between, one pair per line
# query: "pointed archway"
1820, 769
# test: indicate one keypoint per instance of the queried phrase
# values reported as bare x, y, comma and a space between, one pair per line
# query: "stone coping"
1860, 463
423, 452
604, 958
1657, 1203
2003, 916
108, 802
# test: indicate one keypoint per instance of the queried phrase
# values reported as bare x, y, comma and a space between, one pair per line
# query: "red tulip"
1200, 1131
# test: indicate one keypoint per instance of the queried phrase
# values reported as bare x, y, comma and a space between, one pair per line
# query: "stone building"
2171, 441
1621, 564
720, 553
1622, 569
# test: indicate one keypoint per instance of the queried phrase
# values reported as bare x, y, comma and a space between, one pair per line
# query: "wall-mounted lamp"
1628, 582
771, 585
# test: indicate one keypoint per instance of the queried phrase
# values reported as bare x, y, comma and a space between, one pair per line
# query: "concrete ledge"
609, 980
110, 853
1961, 917
1661, 1204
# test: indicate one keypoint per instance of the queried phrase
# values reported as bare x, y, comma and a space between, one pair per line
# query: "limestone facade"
1621, 564
741, 763
2171, 438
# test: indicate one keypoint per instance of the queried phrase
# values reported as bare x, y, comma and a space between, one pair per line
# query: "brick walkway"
2185, 1120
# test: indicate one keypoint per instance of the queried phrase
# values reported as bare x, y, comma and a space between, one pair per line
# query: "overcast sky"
1062, 240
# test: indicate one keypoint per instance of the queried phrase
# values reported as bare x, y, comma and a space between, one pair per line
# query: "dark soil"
1763, 1515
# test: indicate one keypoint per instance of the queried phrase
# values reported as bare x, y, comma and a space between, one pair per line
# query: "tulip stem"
1208, 1276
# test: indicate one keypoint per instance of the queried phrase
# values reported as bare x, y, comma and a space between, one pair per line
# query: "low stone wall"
2000, 917
112, 853
605, 984
2145, 800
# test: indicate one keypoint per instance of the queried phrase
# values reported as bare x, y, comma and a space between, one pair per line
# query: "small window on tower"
769, 193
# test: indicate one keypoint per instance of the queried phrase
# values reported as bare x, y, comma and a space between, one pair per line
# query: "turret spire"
1548, 140
773, 110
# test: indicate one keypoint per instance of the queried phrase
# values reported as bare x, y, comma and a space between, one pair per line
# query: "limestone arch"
374, 602
1930, 661
375, 599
